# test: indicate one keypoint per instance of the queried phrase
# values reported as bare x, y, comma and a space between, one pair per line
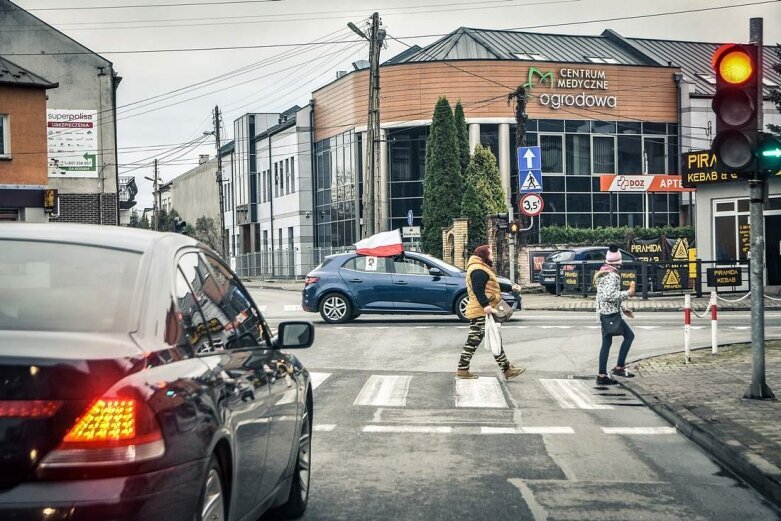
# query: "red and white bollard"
687, 327
714, 324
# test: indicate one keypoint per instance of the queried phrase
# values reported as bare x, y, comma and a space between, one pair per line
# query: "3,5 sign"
532, 205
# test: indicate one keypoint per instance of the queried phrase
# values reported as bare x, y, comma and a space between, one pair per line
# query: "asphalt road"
397, 437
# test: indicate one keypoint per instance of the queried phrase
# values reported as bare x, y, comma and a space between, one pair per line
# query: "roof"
483, 44
133, 239
12, 74
694, 59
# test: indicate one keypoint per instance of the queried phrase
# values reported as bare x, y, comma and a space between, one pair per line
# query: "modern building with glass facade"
597, 105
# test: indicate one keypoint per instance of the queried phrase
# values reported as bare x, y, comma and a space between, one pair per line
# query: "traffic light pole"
758, 388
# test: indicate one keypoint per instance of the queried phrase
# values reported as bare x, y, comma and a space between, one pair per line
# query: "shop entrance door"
773, 249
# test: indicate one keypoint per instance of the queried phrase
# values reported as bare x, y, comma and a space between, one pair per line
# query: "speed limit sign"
532, 205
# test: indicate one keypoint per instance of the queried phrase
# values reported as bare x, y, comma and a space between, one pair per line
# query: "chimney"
203, 158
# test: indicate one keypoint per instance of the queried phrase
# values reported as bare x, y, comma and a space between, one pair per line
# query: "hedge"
607, 236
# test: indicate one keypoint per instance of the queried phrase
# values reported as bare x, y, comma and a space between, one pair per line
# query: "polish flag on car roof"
385, 244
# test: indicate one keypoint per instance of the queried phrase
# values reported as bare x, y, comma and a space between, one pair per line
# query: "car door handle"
357, 281
401, 283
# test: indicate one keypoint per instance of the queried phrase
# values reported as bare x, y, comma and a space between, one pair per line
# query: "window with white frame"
530, 56
292, 175
730, 229
5, 136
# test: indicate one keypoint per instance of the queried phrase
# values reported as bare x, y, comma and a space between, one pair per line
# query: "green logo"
546, 77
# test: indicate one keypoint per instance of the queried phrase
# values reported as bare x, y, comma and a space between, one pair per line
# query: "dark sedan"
577, 259
347, 285
140, 382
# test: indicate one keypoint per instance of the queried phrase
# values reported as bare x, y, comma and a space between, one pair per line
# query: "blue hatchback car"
347, 285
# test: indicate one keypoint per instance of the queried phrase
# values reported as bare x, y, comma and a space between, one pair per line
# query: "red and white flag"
385, 244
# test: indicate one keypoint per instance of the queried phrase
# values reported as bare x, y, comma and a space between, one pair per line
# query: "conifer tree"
463, 138
483, 195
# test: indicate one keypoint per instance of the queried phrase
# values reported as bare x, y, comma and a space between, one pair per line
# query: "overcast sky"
277, 78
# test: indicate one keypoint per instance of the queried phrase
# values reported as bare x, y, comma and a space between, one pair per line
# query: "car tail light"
112, 431
311, 280
28, 408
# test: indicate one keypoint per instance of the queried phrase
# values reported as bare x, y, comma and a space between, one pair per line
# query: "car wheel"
212, 507
461, 304
551, 289
299, 489
335, 308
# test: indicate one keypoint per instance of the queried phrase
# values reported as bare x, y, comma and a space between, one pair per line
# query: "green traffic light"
776, 152
769, 152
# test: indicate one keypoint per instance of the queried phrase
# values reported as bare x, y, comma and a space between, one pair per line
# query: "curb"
738, 462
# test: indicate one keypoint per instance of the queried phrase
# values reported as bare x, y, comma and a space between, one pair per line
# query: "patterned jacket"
609, 294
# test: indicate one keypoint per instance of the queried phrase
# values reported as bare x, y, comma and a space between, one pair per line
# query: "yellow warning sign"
672, 280
681, 249
693, 263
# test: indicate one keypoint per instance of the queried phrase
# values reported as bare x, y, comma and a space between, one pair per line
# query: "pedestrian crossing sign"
531, 181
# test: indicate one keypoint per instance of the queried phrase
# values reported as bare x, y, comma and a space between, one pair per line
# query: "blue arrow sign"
529, 181
529, 158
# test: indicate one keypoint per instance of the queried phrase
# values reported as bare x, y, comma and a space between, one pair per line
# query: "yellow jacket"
492, 289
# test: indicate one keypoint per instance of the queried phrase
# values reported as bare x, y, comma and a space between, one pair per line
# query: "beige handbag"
503, 311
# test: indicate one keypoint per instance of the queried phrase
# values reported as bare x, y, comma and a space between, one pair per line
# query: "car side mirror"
295, 335
435, 272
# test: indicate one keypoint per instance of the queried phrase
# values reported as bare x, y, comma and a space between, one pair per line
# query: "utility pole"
156, 188
757, 186
520, 141
223, 239
371, 184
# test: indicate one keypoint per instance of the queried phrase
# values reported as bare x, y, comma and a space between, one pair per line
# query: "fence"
282, 264
659, 278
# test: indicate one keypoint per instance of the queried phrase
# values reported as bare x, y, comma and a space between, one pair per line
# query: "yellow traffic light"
736, 67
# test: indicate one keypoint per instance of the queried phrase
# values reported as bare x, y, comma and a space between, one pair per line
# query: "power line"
140, 6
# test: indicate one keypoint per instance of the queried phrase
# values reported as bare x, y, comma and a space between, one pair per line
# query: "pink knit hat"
613, 257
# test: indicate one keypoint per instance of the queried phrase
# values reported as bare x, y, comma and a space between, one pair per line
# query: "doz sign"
641, 183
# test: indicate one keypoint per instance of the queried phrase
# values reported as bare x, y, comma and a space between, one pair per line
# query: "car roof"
119, 237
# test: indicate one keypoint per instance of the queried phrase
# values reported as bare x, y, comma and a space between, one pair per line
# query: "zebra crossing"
434, 403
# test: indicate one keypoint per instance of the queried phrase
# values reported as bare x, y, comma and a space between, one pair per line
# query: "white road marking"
555, 327
741, 328
318, 378
414, 429
262, 308
384, 391
325, 427
639, 430
571, 394
527, 430
484, 393
293, 308
648, 327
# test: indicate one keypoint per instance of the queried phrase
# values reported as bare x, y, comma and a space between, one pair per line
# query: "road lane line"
409, 429
318, 378
384, 391
293, 308
527, 430
639, 430
570, 395
325, 427
484, 393
262, 308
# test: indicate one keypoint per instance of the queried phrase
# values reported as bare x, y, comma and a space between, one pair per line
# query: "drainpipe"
678, 77
271, 201
313, 172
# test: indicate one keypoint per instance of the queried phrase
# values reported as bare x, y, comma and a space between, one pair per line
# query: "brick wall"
457, 254
87, 209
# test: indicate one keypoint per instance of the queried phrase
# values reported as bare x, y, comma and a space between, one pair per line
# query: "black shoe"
606, 380
621, 372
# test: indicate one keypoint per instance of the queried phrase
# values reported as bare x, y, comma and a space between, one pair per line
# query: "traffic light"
515, 227
769, 153
736, 105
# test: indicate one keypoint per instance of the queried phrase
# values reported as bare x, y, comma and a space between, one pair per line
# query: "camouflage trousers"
476, 335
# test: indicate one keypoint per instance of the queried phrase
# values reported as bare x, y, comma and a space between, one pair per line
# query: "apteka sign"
572, 79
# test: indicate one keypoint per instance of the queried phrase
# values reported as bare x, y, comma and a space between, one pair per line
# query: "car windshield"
65, 287
561, 256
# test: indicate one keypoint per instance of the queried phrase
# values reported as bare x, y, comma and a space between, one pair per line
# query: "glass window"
408, 266
554, 203
489, 137
603, 220
553, 183
577, 126
659, 202
654, 155
630, 155
276, 180
602, 203
604, 155
578, 154
725, 238
552, 153
578, 203
292, 175
727, 206
287, 176
628, 127
578, 184
368, 264
654, 128
579, 220
603, 127
550, 125
405, 190
186, 325
4, 135
630, 203
66, 287
556, 219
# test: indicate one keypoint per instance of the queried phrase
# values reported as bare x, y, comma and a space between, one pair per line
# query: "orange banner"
642, 183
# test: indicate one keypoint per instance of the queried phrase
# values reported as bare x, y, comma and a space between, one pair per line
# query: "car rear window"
49, 286
561, 256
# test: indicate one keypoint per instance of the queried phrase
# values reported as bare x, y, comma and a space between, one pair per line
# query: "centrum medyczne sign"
588, 81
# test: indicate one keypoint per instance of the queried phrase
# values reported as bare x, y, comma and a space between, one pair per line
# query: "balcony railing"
127, 192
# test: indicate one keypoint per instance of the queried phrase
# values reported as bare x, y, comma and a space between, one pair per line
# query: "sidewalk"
546, 302
704, 401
